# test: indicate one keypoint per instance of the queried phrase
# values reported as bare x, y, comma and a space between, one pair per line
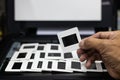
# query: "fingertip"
90, 61
82, 60
79, 51
88, 64
83, 57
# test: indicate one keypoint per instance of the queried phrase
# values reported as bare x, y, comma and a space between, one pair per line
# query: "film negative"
14, 66
71, 55
27, 66
40, 55
54, 55
32, 55
69, 39
53, 47
61, 66
48, 65
77, 66
38, 65
22, 55
41, 47
29, 47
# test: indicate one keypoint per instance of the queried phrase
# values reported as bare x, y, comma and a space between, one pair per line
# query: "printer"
39, 21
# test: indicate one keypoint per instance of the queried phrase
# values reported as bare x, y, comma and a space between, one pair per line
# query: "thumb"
93, 43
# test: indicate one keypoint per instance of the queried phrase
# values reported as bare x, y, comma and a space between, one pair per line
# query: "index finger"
103, 35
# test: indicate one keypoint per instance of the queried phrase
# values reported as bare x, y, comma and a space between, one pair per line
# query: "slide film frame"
11, 64
66, 67
66, 34
46, 66
28, 67
74, 55
29, 47
57, 56
38, 65
27, 55
41, 47
40, 55
53, 47
82, 67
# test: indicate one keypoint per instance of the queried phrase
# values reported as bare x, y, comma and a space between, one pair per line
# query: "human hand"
104, 46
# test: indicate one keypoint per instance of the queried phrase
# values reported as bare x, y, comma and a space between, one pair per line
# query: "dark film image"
70, 40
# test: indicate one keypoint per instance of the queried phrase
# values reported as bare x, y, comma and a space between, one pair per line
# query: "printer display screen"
57, 15
58, 10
